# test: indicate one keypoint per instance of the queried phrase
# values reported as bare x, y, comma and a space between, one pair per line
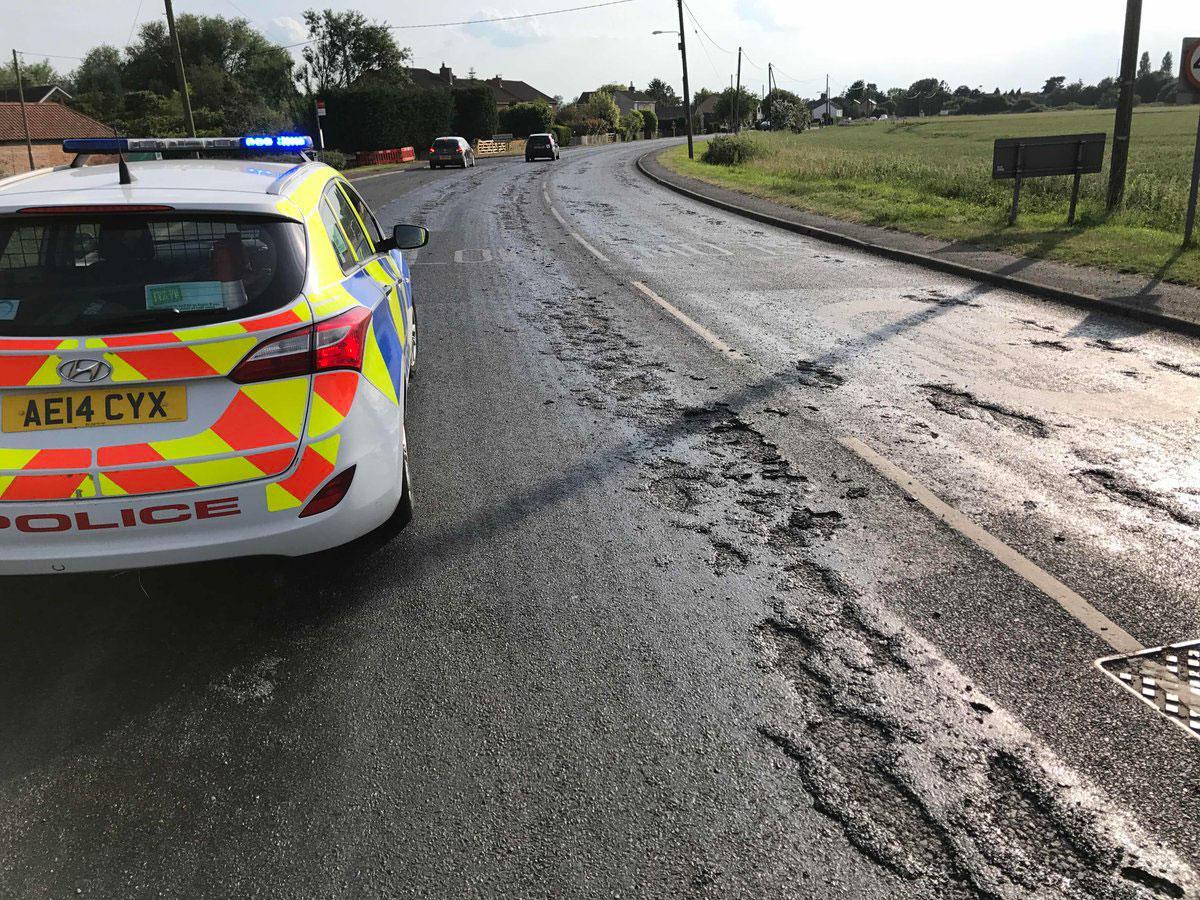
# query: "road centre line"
1073, 604
692, 324
563, 222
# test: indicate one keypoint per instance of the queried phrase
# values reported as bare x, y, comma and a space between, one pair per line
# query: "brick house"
627, 100
49, 124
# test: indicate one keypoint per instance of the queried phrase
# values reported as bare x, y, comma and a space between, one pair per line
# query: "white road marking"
485, 255
715, 249
563, 222
596, 253
1073, 604
695, 326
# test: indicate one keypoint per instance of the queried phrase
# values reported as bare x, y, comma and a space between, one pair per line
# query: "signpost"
1189, 84
320, 106
1038, 157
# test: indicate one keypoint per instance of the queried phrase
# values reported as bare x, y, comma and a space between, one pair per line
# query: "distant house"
35, 93
506, 91
49, 124
706, 112
824, 110
628, 100
672, 120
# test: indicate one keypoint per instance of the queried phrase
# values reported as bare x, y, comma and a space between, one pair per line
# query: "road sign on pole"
320, 107
1189, 65
1189, 80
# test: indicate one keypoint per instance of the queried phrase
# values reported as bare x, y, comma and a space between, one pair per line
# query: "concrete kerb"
1009, 282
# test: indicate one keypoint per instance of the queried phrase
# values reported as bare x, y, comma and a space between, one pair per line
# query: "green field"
932, 176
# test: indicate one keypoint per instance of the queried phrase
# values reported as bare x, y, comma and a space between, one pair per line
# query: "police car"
199, 358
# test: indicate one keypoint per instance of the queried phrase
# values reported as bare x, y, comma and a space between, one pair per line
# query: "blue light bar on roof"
281, 143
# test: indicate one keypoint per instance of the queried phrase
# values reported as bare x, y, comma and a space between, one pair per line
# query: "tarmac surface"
679, 615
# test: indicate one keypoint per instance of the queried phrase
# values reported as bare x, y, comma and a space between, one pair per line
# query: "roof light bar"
278, 143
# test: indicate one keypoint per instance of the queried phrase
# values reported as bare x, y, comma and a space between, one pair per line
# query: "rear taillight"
458, 150
330, 495
431, 151
337, 343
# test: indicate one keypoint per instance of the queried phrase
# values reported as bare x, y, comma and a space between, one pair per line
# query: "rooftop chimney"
446, 73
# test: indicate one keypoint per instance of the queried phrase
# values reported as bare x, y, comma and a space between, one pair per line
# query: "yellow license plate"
48, 410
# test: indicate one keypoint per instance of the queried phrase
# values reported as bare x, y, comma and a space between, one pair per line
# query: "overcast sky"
1017, 43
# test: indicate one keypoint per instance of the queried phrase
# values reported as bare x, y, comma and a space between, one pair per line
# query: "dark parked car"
541, 145
451, 151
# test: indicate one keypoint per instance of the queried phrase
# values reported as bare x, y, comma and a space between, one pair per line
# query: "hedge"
474, 115
730, 150
563, 133
649, 123
382, 118
523, 119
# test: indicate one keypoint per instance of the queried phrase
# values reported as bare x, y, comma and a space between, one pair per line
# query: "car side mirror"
410, 237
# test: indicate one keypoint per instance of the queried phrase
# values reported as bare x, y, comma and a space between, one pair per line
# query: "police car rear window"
108, 274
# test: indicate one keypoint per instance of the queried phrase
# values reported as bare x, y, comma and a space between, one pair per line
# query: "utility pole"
828, 100
180, 74
737, 96
1121, 128
687, 94
24, 115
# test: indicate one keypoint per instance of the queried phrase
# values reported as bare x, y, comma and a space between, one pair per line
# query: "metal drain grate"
1166, 678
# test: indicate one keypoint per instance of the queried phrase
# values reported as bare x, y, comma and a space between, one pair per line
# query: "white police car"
199, 358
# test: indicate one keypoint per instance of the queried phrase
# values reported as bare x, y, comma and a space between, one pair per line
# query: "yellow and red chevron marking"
203, 473
77, 485
333, 395
32, 460
259, 417
205, 351
316, 464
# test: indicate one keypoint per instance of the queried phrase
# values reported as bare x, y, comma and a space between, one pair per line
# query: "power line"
706, 34
137, 15
51, 55
548, 12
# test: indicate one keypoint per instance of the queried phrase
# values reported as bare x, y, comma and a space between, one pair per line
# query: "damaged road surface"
659, 628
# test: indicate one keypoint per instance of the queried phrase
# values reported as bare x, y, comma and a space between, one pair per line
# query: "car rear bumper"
210, 523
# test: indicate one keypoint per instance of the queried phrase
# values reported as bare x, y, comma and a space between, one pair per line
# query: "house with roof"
824, 110
507, 91
627, 100
49, 124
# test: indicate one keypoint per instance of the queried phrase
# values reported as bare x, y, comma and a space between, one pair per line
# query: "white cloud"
513, 33
287, 30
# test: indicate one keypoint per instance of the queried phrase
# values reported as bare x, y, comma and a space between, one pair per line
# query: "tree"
790, 114
99, 84
777, 95
346, 47
523, 119
1054, 83
649, 123
747, 104
233, 71
662, 92
702, 95
1144, 64
601, 106
31, 73
474, 112
1168, 64
632, 124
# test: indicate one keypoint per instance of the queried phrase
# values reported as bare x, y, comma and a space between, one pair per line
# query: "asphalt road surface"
744, 566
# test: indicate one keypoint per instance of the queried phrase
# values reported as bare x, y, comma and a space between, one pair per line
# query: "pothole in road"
818, 375
938, 297
1125, 489
936, 783
1192, 370
966, 405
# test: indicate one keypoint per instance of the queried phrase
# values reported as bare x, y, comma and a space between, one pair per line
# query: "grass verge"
932, 177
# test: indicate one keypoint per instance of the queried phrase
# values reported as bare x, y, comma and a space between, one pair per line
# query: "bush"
730, 150
334, 158
523, 119
649, 123
563, 134
383, 118
631, 125
474, 113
